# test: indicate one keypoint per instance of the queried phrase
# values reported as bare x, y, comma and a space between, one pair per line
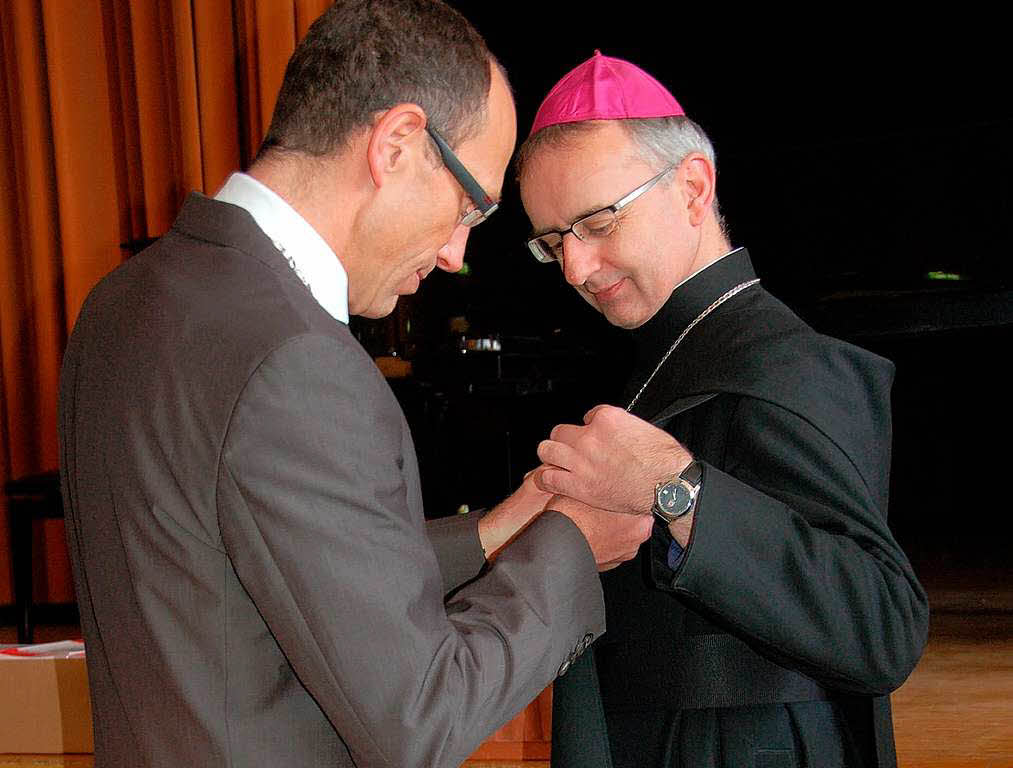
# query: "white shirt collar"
307, 253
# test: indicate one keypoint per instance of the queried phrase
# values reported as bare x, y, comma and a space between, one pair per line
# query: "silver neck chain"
717, 303
291, 262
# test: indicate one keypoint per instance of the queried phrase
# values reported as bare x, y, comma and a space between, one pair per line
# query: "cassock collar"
688, 300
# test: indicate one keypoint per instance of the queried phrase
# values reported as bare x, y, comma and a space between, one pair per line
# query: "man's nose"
580, 260
450, 257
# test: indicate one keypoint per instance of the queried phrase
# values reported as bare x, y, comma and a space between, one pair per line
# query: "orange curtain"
111, 111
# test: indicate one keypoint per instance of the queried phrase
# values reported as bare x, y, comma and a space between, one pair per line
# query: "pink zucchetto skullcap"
603, 88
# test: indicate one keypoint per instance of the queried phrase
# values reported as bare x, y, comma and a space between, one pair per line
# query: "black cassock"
777, 636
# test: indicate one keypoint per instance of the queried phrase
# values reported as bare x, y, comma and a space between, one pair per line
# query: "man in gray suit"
256, 580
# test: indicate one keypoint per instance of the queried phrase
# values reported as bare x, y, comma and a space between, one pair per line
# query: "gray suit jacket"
255, 578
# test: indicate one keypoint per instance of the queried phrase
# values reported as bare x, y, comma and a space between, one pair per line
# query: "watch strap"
693, 473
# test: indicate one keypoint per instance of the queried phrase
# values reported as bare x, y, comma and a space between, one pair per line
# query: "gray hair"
661, 140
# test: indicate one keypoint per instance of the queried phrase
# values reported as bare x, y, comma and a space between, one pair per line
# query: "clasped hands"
600, 474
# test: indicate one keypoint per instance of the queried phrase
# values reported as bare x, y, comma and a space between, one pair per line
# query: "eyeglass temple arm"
475, 192
639, 191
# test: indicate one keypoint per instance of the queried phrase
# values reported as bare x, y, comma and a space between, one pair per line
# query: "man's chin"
379, 310
624, 316
410, 284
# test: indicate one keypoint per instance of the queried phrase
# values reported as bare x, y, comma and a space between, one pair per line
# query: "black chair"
30, 498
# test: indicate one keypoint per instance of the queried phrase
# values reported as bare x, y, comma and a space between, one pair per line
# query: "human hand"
511, 516
612, 462
613, 537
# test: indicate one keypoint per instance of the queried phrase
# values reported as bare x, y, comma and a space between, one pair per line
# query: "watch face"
673, 499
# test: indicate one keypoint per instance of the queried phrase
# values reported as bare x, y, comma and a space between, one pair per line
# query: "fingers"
640, 531
565, 433
545, 485
536, 477
589, 416
644, 526
529, 485
559, 455
613, 538
557, 481
610, 421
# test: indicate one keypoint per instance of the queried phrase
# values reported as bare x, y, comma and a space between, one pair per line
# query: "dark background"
857, 152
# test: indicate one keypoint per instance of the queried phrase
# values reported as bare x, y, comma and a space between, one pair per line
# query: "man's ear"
698, 179
398, 135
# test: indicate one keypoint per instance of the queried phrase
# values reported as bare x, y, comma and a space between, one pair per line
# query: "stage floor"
955, 711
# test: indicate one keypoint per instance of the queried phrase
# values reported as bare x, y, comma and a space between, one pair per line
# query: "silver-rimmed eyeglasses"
482, 205
548, 246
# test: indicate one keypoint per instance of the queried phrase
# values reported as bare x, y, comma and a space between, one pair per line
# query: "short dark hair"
364, 56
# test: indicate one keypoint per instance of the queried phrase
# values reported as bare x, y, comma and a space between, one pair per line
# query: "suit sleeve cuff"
458, 548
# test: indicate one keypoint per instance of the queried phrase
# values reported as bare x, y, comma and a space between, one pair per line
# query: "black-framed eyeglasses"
548, 246
484, 205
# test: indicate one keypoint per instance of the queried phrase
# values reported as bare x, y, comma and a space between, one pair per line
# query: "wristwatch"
675, 497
